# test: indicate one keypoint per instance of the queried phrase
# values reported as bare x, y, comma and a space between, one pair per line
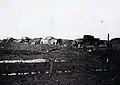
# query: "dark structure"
103, 42
78, 42
97, 41
59, 41
115, 43
88, 39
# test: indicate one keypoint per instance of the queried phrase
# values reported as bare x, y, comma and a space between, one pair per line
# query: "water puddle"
28, 61
14, 74
27, 73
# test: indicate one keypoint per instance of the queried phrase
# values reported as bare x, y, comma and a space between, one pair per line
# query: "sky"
68, 19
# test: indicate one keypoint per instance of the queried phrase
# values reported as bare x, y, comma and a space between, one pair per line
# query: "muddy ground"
81, 67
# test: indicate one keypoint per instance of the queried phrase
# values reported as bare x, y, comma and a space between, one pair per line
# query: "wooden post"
51, 66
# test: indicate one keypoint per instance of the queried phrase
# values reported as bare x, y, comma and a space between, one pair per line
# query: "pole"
108, 40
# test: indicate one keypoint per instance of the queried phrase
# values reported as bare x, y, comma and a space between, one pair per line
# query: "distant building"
88, 39
49, 38
115, 43
66, 42
103, 42
35, 41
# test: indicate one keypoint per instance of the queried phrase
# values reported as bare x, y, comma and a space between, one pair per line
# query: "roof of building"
115, 40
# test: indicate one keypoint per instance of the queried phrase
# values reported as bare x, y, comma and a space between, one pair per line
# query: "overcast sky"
59, 18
